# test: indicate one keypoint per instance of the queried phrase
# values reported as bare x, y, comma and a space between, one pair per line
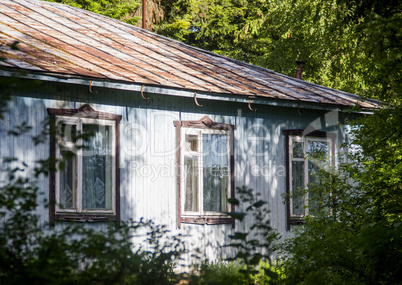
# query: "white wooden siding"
148, 157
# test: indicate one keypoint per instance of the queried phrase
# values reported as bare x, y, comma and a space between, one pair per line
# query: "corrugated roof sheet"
63, 40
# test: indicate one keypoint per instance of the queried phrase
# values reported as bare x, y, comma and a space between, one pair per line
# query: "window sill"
297, 221
85, 217
205, 220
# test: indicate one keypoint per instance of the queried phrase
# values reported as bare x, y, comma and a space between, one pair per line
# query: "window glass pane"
97, 168
313, 172
67, 132
319, 157
191, 142
215, 172
68, 180
297, 149
191, 184
318, 149
298, 187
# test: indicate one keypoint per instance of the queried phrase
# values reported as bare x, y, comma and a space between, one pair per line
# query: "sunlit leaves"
118, 9
360, 242
345, 45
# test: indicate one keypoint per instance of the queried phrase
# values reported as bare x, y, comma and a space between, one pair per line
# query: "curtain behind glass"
68, 183
67, 133
97, 168
215, 172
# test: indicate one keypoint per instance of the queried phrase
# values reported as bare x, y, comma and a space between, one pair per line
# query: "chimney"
299, 69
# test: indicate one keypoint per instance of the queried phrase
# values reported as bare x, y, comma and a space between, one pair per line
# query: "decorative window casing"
87, 187
205, 171
302, 169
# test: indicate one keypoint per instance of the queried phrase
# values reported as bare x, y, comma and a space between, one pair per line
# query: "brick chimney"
299, 69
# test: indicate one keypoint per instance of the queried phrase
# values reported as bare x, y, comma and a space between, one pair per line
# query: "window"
302, 167
87, 187
205, 175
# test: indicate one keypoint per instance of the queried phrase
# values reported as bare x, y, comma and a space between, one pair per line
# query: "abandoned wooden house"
176, 129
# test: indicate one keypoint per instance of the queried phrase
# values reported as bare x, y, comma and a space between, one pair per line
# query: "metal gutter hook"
298, 109
142, 94
195, 99
90, 86
249, 106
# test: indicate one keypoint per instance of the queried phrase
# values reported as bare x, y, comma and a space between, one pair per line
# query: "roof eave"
137, 87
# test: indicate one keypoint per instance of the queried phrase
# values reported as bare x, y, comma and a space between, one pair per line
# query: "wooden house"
176, 128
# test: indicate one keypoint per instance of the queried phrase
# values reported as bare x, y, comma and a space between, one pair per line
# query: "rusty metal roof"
62, 40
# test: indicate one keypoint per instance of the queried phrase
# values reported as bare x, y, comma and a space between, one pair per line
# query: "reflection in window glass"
67, 133
191, 187
319, 152
298, 151
191, 142
304, 171
206, 174
318, 148
298, 187
313, 179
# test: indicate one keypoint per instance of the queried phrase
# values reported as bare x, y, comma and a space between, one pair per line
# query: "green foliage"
122, 10
360, 242
217, 25
75, 254
132, 253
347, 45
218, 273
231, 273
381, 176
268, 274
249, 250
251, 262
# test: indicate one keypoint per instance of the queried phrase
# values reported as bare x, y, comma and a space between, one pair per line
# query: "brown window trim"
85, 111
203, 123
299, 132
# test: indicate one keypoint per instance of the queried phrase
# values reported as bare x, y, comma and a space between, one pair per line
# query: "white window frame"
184, 152
79, 176
305, 159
